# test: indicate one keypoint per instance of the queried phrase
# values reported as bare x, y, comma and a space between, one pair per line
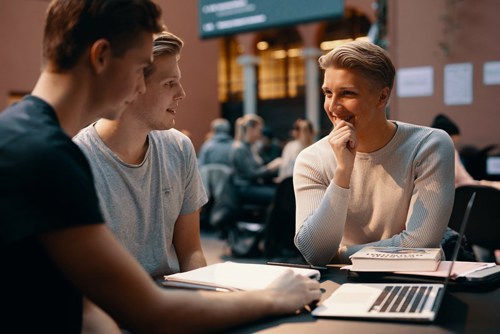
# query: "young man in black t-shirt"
53, 246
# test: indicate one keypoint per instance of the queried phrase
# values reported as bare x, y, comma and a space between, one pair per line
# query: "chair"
474, 160
483, 228
215, 178
280, 225
239, 221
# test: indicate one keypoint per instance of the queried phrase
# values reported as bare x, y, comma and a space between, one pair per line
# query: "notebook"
391, 301
233, 276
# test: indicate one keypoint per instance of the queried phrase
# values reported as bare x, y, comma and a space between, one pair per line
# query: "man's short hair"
164, 44
365, 58
73, 25
220, 125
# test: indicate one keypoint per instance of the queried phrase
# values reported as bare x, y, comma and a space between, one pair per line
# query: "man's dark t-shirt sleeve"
49, 186
45, 185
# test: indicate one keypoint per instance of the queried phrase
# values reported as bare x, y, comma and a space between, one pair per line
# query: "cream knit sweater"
400, 195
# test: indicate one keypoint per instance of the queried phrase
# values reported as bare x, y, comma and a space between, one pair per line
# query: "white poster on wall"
415, 81
491, 73
458, 84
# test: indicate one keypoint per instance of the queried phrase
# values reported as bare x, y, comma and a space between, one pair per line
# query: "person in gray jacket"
215, 150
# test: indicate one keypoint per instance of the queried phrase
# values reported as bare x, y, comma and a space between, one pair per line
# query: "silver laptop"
391, 301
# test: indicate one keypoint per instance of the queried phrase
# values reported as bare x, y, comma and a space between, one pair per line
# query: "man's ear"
100, 53
384, 96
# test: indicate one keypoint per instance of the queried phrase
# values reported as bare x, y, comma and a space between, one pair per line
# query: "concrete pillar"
313, 110
249, 63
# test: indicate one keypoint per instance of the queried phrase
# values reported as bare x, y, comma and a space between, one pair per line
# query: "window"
230, 73
281, 68
352, 26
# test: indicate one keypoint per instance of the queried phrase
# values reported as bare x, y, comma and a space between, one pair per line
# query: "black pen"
297, 265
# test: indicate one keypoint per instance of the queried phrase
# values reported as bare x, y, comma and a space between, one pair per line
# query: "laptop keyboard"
401, 299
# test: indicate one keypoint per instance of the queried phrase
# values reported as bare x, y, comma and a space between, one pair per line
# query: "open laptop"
391, 301
493, 167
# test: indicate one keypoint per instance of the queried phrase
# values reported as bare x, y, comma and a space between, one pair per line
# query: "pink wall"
416, 30
21, 31
199, 69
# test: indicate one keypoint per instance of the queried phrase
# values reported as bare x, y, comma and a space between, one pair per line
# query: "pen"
310, 307
297, 265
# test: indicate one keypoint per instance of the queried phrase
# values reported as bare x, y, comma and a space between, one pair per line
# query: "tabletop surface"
460, 312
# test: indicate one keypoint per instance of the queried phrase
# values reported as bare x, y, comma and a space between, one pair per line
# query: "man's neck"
124, 139
68, 96
379, 137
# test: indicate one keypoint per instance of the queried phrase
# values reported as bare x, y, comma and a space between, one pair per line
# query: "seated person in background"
148, 181
215, 150
371, 181
251, 175
51, 223
215, 169
269, 147
462, 177
303, 136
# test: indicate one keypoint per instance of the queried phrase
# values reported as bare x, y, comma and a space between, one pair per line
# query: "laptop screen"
493, 165
461, 233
